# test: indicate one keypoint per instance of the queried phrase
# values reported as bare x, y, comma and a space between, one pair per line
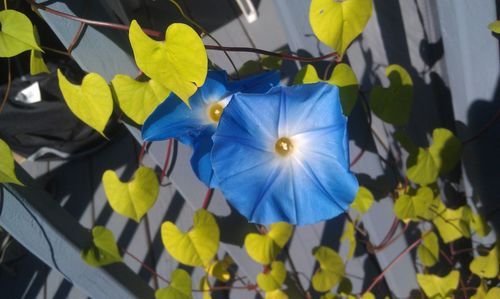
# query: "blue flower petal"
311, 184
259, 83
200, 160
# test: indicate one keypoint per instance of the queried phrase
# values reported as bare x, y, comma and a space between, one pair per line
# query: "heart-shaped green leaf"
342, 76
197, 247
253, 67
452, 224
415, 207
132, 199
480, 292
421, 167
138, 99
264, 248
479, 225
438, 287
331, 269
486, 266
428, 250
338, 23
393, 104
180, 63
494, 26
350, 235
37, 65
7, 166
363, 200
16, 34
218, 269
103, 250
273, 279
493, 293
276, 294
91, 102
179, 288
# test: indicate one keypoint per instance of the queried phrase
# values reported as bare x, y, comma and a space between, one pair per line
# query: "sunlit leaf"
349, 235
179, 288
37, 65
273, 279
445, 149
276, 294
363, 200
415, 207
16, 34
91, 102
103, 250
331, 269
7, 165
205, 287
493, 293
452, 224
428, 250
180, 62
438, 287
479, 225
132, 199
197, 247
342, 77
486, 266
495, 26
218, 269
393, 104
338, 23
138, 99
422, 168
368, 295
481, 291
264, 248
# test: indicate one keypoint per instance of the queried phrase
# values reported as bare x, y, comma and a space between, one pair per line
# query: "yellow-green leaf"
428, 250
264, 248
197, 247
495, 26
368, 295
445, 149
91, 102
438, 287
103, 250
180, 62
7, 166
486, 266
452, 224
493, 293
179, 288
421, 167
273, 279
37, 65
132, 199
349, 235
481, 291
338, 23
342, 76
276, 294
415, 207
138, 99
363, 200
205, 287
479, 225
16, 33
393, 104
218, 269
331, 269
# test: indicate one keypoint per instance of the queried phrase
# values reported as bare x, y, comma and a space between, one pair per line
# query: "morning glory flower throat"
195, 126
284, 156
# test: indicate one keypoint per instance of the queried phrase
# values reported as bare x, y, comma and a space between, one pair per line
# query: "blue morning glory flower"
284, 156
195, 126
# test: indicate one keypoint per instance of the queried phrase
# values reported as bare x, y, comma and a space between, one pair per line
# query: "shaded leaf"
264, 248
103, 250
438, 287
218, 269
180, 62
196, 248
445, 149
91, 102
338, 23
16, 34
331, 270
132, 199
138, 99
179, 288
7, 165
393, 104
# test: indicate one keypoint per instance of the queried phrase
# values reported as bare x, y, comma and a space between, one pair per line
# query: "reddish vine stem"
158, 34
390, 233
76, 38
167, 161
208, 197
450, 262
485, 128
357, 158
145, 266
9, 83
142, 152
399, 235
394, 261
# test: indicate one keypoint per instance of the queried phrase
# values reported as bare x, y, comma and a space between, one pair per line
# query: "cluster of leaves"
179, 65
